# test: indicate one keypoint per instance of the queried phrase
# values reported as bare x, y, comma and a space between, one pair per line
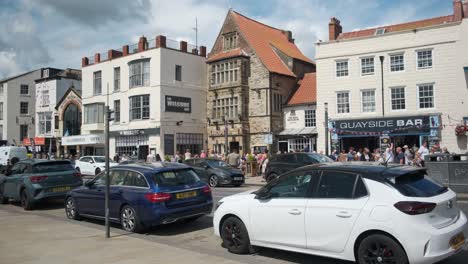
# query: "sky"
58, 33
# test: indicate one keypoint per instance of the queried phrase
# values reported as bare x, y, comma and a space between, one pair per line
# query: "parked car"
92, 165
367, 213
143, 195
9, 152
216, 172
281, 163
30, 181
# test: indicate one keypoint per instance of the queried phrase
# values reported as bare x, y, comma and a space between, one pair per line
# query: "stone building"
67, 126
253, 69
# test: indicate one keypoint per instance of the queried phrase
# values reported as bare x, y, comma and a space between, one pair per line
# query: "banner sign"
178, 104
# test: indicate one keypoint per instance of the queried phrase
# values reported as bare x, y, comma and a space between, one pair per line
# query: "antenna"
196, 33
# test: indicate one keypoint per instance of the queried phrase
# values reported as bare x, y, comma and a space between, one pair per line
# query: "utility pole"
107, 157
381, 75
226, 151
196, 33
326, 128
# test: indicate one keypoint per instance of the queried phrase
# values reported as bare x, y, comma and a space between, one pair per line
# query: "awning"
298, 131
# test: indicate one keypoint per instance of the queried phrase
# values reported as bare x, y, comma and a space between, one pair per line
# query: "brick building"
253, 69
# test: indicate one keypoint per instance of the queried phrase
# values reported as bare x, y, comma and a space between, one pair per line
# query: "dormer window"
230, 40
379, 31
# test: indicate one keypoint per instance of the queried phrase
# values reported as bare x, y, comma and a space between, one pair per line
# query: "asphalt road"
198, 236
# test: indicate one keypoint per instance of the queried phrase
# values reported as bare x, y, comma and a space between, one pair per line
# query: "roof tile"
307, 91
226, 54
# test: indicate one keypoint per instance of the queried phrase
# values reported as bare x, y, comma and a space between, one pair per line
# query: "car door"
280, 218
332, 212
84, 165
90, 199
13, 180
131, 192
201, 168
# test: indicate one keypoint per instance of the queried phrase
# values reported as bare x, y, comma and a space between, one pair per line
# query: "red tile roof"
398, 27
307, 91
262, 38
226, 54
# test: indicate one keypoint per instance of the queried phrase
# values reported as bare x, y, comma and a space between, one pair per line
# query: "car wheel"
98, 170
70, 209
25, 201
271, 177
78, 169
213, 181
380, 249
235, 236
3, 199
129, 220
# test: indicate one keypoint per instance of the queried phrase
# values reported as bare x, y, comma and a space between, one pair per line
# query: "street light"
326, 128
381, 74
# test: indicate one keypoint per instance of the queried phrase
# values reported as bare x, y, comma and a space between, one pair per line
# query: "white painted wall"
296, 120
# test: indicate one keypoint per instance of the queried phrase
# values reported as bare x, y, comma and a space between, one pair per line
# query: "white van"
9, 152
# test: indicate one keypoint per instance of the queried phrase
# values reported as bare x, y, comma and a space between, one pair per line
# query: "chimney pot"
142, 44
97, 58
203, 51
125, 50
183, 46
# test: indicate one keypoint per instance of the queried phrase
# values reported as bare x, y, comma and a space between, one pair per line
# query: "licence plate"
238, 178
457, 241
61, 189
186, 195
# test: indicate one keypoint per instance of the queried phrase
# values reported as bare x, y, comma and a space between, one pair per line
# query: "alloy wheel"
213, 181
233, 235
70, 208
379, 253
128, 219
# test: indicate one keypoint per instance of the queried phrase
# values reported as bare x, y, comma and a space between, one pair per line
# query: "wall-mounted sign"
178, 104
135, 132
90, 139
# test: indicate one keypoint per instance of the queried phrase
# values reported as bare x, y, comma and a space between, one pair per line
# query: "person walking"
117, 158
366, 156
233, 159
423, 151
187, 154
203, 154
350, 156
400, 156
158, 157
389, 155
409, 155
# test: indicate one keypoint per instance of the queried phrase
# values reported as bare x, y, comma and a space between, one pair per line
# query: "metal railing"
104, 56
133, 48
152, 43
449, 169
172, 44
191, 47
91, 60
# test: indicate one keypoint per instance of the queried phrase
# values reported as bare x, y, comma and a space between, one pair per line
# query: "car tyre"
98, 170
235, 236
271, 177
213, 181
129, 220
78, 169
380, 248
70, 209
25, 201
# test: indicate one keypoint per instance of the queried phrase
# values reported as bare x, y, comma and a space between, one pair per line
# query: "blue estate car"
143, 195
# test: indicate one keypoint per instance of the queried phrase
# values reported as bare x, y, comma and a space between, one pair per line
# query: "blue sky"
58, 33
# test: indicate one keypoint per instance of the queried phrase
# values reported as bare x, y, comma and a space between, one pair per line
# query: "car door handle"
295, 212
344, 214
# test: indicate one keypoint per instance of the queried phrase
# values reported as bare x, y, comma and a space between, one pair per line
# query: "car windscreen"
100, 159
175, 178
417, 184
216, 163
53, 166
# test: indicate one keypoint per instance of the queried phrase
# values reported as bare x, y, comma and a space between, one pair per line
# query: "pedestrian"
188, 155
445, 150
116, 158
176, 158
409, 155
366, 156
389, 155
350, 156
342, 157
358, 154
423, 151
400, 156
233, 159
158, 157
151, 157
203, 154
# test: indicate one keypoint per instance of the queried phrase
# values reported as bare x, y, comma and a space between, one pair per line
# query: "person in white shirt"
389, 156
423, 151
188, 155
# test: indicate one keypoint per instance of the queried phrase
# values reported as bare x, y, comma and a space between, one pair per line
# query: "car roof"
37, 161
159, 166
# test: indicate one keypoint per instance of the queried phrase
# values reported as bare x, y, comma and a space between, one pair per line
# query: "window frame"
21, 89
404, 98
373, 66
347, 68
129, 186
353, 195
349, 102
418, 86
310, 189
141, 78
362, 100
178, 73
117, 80
21, 108
390, 61
310, 118
431, 50
141, 108
95, 82
96, 118
117, 111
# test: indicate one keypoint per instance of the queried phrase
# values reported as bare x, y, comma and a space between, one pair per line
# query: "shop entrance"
283, 146
360, 142
143, 152
400, 141
233, 146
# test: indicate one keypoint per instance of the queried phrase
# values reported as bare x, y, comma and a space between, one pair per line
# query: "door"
201, 168
90, 199
143, 152
11, 186
332, 212
283, 146
280, 218
130, 188
85, 165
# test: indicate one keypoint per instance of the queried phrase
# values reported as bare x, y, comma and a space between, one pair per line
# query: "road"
198, 236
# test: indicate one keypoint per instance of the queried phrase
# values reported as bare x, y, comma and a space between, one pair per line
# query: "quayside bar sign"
416, 124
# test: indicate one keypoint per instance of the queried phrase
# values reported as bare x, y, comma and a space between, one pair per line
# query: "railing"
103, 56
133, 48
172, 44
152, 43
190, 47
91, 60
449, 169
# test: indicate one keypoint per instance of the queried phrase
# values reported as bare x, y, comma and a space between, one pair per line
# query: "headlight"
218, 204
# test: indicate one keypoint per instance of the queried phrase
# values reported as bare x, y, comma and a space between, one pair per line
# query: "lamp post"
326, 128
381, 75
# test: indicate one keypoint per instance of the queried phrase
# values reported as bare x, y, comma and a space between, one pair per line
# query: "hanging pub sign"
178, 104
390, 125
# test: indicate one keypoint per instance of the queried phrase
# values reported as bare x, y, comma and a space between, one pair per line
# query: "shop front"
372, 133
298, 139
134, 143
83, 145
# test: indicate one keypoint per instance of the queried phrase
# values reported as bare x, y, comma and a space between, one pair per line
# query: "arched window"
71, 120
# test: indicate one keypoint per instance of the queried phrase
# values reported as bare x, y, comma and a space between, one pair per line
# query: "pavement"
254, 181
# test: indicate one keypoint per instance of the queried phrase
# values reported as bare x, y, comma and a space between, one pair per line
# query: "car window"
286, 158
100, 179
360, 190
336, 185
118, 177
318, 158
52, 166
85, 159
135, 179
99, 159
175, 178
417, 184
294, 185
304, 158
18, 168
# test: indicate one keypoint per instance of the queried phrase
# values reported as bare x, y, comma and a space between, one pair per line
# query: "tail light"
206, 189
415, 208
36, 179
77, 174
157, 197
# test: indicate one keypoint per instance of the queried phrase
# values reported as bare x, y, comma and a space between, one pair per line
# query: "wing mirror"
88, 183
91, 161
264, 195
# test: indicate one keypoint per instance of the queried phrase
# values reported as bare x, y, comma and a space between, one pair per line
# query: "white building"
424, 93
157, 90
50, 89
300, 131
17, 98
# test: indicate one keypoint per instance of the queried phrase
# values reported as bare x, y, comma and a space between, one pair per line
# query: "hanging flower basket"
461, 130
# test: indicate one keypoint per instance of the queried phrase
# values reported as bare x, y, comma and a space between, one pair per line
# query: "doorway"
283, 146
233, 146
143, 152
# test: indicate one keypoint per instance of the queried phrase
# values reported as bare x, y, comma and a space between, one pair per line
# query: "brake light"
415, 208
36, 179
206, 189
157, 197
77, 174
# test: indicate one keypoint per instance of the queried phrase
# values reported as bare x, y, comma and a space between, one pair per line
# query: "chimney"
160, 41
460, 9
288, 34
112, 54
97, 58
125, 50
142, 44
203, 51
84, 61
183, 46
334, 28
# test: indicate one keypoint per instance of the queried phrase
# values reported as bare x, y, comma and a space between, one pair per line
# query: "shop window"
426, 96
342, 100
190, 141
309, 118
342, 68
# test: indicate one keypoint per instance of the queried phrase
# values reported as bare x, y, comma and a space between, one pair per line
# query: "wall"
297, 120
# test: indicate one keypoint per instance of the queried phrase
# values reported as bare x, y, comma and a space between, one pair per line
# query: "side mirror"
264, 196
91, 161
88, 183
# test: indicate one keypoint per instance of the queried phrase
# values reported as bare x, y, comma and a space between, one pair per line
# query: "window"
310, 118
230, 41
368, 101
225, 107
426, 96
45, 100
341, 68
178, 73
336, 185
139, 107
97, 88
299, 144
379, 31
1, 131
1, 89
367, 66
277, 102
23, 132
24, 108
294, 185
117, 111
397, 62
175, 178
342, 102
135, 179
417, 184
1, 110
139, 73
398, 98
45, 123
225, 72
56, 122
24, 89
425, 59
93, 113
117, 79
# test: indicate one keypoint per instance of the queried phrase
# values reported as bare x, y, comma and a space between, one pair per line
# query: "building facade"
157, 90
17, 108
406, 82
252, 70
50, 89
67, 125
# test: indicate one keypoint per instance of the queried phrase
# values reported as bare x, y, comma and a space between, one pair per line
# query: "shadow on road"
294, 257
45, 205
179, 228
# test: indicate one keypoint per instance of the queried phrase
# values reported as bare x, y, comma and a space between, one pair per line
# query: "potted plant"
460, 130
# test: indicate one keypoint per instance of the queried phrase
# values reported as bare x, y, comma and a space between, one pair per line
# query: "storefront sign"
37, 141
135, 132
178, 104
83, 140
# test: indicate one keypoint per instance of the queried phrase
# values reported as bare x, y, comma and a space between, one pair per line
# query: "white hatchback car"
353, 211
